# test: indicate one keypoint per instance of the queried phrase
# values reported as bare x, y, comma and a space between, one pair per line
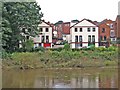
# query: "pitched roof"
86, 20
48, 23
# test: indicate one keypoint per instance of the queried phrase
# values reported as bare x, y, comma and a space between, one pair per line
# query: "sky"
67, 10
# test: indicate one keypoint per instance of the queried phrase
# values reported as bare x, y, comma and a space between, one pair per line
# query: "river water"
61, 78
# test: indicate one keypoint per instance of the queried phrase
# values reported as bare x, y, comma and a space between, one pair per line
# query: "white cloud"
67, 10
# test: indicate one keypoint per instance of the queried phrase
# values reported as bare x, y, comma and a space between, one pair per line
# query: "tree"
21, 16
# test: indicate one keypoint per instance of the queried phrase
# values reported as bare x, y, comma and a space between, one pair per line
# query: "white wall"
84, 25
44, 33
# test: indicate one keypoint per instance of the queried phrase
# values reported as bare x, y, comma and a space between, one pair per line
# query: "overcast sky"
67, 10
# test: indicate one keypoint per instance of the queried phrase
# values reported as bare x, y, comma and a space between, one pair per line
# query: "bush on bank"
63, 58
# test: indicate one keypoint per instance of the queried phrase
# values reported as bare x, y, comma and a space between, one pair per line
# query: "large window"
76, 38
93, 39
103, 30
89, 40
75, 29
80, 40
47, 39
42, 39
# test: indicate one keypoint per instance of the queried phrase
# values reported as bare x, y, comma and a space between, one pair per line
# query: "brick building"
106, 32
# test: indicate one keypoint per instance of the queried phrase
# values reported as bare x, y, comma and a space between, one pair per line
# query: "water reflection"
61, 79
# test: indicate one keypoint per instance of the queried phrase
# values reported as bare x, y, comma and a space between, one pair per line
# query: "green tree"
22, 19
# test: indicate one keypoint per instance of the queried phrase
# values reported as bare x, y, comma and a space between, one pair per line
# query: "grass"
98, 57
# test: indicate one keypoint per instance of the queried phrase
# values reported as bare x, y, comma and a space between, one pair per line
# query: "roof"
86, 20
48, 23
106, 21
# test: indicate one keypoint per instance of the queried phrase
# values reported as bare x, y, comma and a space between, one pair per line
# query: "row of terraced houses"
78, 33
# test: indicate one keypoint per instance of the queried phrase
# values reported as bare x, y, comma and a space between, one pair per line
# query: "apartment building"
106, 32
44, 38
83, 34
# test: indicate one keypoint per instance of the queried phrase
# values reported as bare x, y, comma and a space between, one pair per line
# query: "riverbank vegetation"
62, 58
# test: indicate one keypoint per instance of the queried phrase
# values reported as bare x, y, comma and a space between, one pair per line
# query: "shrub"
112, 48
28, 45
101, 49
66, 47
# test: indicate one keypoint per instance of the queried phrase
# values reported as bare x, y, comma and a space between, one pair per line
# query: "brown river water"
61, 78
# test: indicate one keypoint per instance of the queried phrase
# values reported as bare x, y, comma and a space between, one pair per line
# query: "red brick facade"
105, 28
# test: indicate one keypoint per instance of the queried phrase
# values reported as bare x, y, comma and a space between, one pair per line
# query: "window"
76, 38
42, 39
80, 38
88, 29
93, 29
27, 37
47, 30
47, 39
75, 29
103, 30
23, 30
89, 38
111, 25
41, 29
101, 38
93, 38
80, 29
104, 38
